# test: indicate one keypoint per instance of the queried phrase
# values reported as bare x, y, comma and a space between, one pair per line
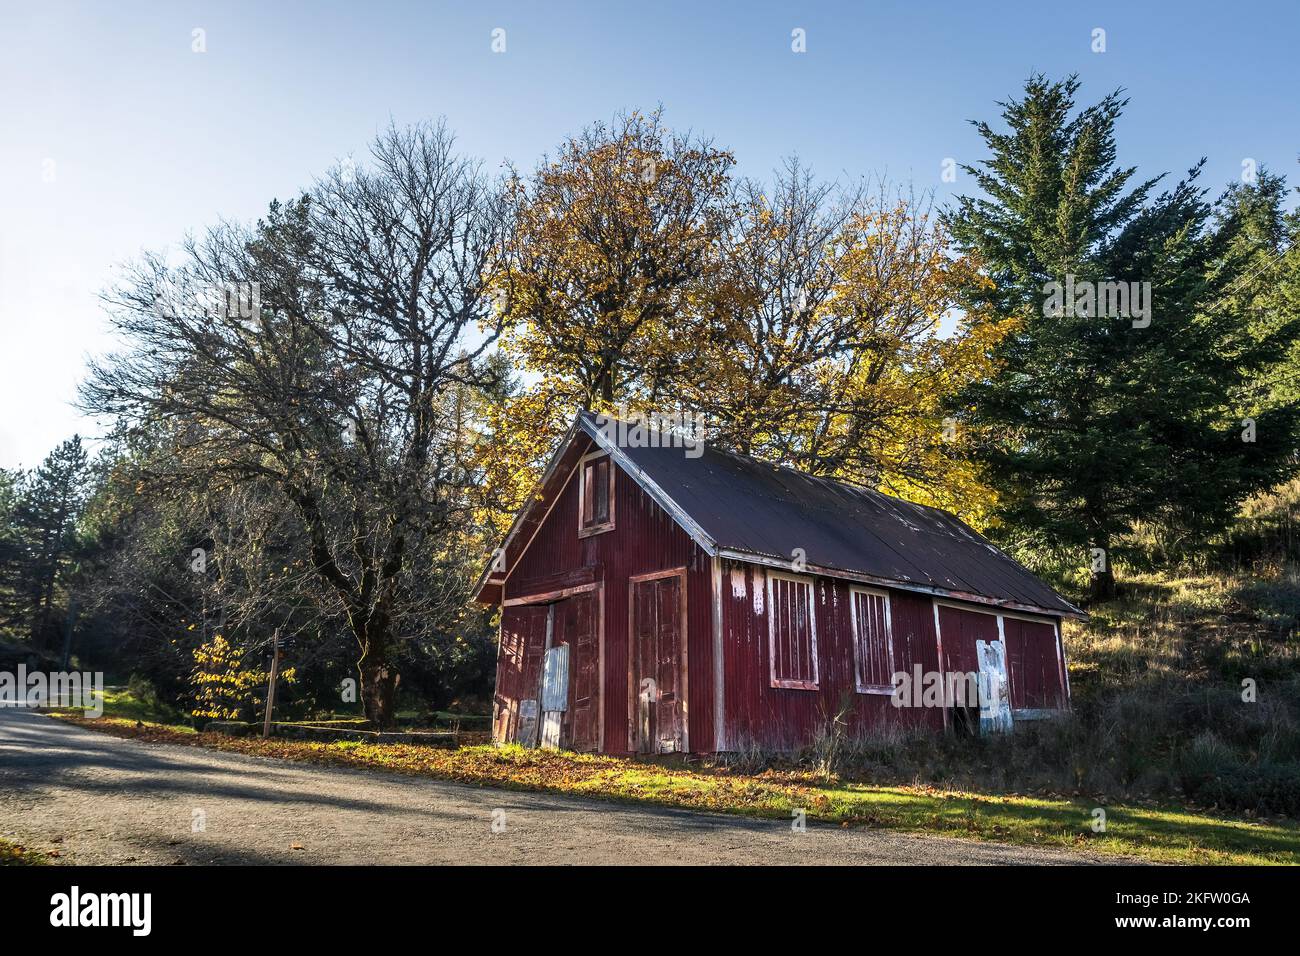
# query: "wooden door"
961, 630
1034, 665
519, 668
657, 655
576, 626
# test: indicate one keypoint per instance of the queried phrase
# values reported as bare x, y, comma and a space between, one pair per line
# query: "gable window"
792, 631
873, 647
595, 495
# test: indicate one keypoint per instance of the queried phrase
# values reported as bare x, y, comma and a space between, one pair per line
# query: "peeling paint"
738, 583
758, 594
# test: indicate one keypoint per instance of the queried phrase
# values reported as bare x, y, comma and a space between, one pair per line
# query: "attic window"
596, 495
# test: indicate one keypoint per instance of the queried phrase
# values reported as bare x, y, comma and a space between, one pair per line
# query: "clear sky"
116, 136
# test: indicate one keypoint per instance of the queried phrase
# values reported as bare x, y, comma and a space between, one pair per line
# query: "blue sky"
116, 136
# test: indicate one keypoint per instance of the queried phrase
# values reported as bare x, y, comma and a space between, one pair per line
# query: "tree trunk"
378, 689
1101, 587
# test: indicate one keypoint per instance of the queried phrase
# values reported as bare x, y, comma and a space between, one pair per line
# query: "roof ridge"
743, 456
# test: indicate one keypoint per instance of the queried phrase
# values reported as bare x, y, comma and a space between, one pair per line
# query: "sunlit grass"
11, 854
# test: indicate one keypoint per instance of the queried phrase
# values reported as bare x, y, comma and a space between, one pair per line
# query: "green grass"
120, 702
11, 854
1159, 834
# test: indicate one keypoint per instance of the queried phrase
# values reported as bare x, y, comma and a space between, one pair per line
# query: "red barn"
663, 599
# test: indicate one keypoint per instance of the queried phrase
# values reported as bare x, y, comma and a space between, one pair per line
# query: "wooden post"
270, 685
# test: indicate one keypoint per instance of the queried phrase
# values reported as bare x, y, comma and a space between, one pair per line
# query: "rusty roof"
743, 508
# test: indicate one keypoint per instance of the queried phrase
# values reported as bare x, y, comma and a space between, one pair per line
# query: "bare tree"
312, 355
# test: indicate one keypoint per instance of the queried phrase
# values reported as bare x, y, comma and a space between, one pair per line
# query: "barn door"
519, 674
658, 609
576, 626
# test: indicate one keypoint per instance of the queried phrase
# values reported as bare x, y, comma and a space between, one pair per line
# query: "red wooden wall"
787, 718
961, 629
1034, 665
644, 539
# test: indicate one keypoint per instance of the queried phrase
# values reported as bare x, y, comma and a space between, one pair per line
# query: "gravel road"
103, 800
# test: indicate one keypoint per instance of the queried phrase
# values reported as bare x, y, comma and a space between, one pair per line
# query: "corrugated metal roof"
750, 507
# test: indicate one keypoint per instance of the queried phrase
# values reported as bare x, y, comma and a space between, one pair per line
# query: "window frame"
585, 530
864, 688
811, 585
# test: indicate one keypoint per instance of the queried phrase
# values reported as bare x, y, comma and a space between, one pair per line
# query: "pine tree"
1105, 416
1269, 290
51, 501
11, 550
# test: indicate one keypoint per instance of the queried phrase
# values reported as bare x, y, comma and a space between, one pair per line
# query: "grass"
1160, 678
120, 702
11, 854
1165, 834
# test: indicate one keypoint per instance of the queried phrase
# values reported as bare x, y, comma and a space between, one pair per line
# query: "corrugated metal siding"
644, 539
787, 718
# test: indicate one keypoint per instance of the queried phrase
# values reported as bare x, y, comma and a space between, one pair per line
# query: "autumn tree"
803, 321
226, 684
614, 241
311, 356
614, 245
826, 349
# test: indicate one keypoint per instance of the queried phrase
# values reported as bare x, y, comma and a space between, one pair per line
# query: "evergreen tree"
1107, 413
11, 551
50, 503
1269, 290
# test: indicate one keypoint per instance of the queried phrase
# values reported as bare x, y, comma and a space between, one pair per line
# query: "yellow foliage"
638, 277
224, 687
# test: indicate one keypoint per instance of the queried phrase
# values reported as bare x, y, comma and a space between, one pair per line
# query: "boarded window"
872, 644
597, 489
792, 632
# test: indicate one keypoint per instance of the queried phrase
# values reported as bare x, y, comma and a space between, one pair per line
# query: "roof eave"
735, 554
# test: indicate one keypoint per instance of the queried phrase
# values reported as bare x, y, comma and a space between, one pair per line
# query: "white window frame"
588, 531
889, 639
810, 584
